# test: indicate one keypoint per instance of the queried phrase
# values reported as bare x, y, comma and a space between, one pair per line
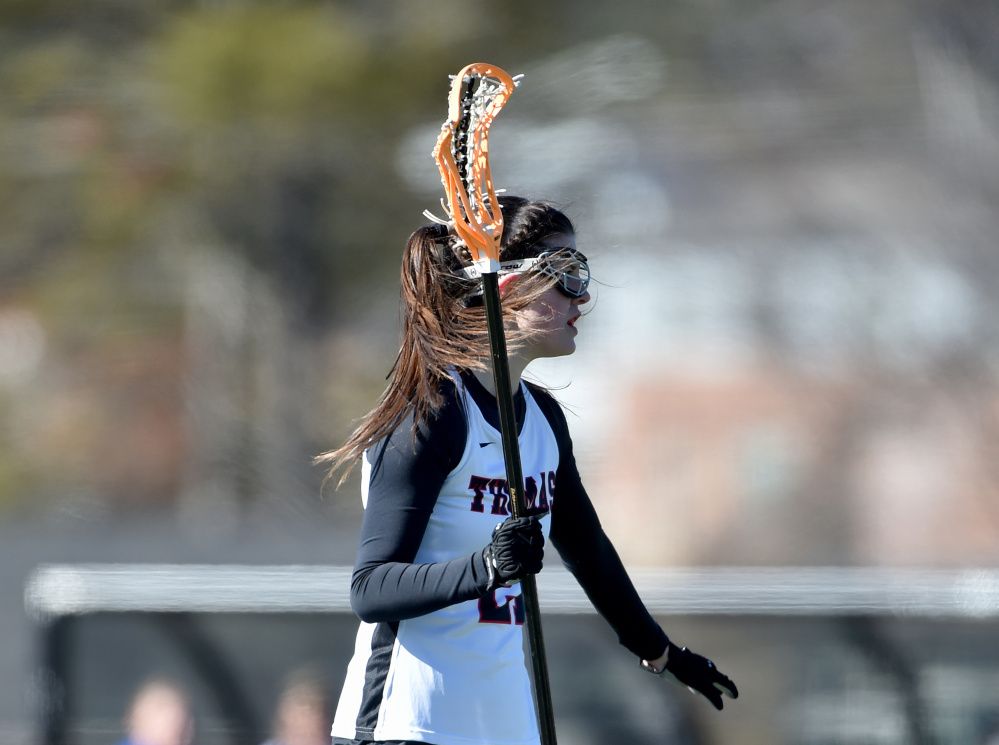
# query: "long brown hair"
442, 325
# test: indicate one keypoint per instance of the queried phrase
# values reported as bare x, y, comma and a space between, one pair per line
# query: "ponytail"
440, 329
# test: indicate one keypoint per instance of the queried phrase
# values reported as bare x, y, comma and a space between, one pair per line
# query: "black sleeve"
407, 473
588, 553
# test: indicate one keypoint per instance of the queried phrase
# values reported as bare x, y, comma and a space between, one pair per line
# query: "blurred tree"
288, 117
265, 131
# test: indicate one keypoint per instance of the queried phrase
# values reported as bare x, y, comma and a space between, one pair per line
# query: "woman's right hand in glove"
516, 550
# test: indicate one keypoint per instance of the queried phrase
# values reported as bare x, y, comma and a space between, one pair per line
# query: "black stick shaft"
515, 484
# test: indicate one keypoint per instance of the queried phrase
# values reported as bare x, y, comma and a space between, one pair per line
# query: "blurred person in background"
302, 715
439, 655
160, 714
991, 736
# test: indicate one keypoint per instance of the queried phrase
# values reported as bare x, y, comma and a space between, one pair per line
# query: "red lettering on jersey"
531, 493
511, 612
501, 497
538, 500
478, 485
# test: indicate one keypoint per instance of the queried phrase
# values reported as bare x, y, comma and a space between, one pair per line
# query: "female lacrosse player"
439, 654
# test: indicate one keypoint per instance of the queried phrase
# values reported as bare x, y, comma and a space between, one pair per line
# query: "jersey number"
512, 610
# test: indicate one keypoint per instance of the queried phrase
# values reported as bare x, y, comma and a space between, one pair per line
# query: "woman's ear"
506, 282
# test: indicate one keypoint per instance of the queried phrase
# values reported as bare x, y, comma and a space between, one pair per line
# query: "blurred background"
792, 356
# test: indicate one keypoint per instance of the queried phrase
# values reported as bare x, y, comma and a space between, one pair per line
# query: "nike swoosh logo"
484, 444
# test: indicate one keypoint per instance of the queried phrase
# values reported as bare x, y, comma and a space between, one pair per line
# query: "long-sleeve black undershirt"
407, 473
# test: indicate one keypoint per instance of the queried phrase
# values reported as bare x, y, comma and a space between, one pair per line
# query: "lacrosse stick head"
478, 92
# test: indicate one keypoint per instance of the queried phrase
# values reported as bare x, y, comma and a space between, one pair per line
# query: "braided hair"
443, 328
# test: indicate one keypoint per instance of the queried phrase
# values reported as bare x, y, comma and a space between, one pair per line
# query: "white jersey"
448, 677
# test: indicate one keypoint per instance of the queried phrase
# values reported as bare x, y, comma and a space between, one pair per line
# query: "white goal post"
66, 589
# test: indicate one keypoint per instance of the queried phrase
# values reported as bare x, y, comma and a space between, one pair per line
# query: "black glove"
516, 550
698, 673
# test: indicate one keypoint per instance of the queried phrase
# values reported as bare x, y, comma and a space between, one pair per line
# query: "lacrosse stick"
478, 92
